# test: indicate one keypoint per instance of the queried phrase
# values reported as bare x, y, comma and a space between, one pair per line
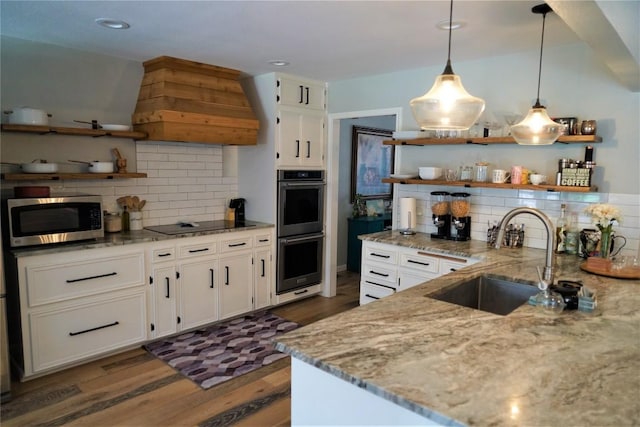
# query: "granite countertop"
130, 237
457, 365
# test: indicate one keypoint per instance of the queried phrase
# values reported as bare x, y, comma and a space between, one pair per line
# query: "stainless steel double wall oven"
300, 225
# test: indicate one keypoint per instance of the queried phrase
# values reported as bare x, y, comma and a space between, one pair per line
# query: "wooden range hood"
187, 101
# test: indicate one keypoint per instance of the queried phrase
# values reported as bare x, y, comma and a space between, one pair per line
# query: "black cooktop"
197, 227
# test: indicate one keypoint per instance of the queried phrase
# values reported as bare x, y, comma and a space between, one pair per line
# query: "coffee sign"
576, 177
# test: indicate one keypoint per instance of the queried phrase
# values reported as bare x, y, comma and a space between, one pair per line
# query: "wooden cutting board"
604, 267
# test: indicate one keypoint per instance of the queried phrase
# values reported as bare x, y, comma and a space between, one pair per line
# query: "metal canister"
563, 164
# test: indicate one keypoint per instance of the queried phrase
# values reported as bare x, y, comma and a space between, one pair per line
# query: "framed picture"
370, 162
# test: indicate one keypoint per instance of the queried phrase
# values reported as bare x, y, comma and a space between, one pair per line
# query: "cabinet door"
262, 284
289, 144
301, 93
312, 139
409, 278
236, 287
163, 290
198, 288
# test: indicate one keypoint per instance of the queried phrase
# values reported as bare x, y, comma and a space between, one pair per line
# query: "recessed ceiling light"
455, 25
279, 63
114, 24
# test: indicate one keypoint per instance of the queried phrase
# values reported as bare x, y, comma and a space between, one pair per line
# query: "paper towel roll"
407, 213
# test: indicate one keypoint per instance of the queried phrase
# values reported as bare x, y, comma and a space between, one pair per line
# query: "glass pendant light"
537, 128
447, 105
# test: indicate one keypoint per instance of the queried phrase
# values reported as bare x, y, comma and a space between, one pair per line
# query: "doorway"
337, 184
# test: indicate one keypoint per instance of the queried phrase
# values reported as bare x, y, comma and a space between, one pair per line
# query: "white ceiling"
325, 40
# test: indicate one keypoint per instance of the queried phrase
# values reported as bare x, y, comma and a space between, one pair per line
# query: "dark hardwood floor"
136, 389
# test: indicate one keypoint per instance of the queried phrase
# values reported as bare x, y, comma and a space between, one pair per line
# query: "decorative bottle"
561, 230
125, 219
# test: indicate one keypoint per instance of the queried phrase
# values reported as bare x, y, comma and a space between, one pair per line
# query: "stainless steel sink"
487, 293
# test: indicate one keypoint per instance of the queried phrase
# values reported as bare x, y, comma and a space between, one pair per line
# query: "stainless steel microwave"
41, 221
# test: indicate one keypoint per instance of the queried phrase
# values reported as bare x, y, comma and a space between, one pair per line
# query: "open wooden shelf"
59, 176
43, 130
472, 184
565, 139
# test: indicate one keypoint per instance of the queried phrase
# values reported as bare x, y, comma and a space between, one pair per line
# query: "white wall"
574, 83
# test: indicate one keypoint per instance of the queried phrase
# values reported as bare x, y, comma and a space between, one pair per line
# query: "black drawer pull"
371, 296
418, 262
167, 282
226, 272
234, 245
82, 279
301, 292
165, 254
378, 274
453, 269
263, 240
379, 255
307, 91
301, 94
211, 271
378, 284
193, 251
297, 148
263, 264
308, 149
73, 334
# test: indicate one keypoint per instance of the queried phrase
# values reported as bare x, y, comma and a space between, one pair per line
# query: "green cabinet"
357, 227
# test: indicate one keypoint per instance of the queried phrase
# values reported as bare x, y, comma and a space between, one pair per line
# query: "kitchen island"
451, 365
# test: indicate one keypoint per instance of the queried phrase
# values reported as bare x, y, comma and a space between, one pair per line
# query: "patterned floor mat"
218, 353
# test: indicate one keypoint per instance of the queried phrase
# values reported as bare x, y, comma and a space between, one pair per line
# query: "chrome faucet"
551, 237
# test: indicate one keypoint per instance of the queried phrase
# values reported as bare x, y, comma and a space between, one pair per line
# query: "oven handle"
302, 184
301, 239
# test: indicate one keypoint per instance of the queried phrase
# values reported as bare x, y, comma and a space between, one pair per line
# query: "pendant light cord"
447, 68
544, 17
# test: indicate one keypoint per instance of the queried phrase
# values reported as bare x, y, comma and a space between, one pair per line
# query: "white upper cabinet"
300, 139
300, 93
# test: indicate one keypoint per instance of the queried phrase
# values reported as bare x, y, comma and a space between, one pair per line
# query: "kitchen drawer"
383, 274
167, 253
59, 282
450, 265
419, 260
370, 292
203, 248
372, 252
78, 332
265, 239
237, 243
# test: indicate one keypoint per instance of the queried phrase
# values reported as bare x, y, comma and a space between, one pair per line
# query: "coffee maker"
238, 207
441, 215
460, 219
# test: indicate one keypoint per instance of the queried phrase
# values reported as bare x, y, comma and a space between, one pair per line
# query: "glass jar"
466, 173
112, 222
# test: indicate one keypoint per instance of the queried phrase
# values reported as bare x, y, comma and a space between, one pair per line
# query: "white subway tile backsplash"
489, 205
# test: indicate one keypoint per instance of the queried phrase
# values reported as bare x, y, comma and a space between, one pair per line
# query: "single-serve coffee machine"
238, 209
460, 219
441, 215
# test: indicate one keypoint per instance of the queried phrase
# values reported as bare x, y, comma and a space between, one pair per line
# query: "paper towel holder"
411, 216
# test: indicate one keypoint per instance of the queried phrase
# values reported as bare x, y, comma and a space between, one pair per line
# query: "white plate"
402, 175
116, 127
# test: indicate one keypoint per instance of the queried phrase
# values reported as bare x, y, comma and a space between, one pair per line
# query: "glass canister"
481, 172
112, 222
466, 173
460, 204
440, 203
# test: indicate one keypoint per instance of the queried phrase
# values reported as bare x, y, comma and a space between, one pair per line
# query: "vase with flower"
603, 215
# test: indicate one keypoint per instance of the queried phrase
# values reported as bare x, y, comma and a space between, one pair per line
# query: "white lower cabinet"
198, 292
81, 304
236, 271
78, 305
390, 268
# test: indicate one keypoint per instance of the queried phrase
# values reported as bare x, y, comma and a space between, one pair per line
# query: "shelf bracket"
475, 143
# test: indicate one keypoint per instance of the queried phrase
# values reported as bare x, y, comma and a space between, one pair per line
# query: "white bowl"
430, 172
